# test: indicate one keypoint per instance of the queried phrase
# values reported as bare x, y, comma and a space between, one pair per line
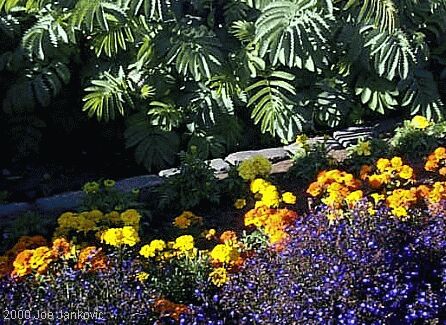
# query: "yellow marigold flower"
254, 167
210, 234
156, 245
399, 212
406, 172
186, 219
354, 197
419, 122
240, 203
130, 236
109, 183
376, 181
364, 172
289, 198
91, 187
219, 276
130, 217
142, 276
363, 148
184, 243
258, 185
270, 196
22, 262
114, 217
314, 189
224, 253
377, 197
382, 164
396, 162
95, 215
147, 251
120, 236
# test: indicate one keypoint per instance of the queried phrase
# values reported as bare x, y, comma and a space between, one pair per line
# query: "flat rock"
138, 182
168, 172
272, 154
13, 209
219, 165
282, 166
61, 202
331, 144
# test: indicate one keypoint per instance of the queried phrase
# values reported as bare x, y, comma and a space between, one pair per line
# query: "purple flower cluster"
362, 270
111, 296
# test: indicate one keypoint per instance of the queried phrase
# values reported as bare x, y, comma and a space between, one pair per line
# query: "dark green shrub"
194, 184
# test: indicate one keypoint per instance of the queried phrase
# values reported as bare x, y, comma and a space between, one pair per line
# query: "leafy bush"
417, 138
194, 184
308, 161
184, 73
102, 195
29, 223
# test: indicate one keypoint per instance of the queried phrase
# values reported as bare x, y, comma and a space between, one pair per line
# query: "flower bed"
358, 246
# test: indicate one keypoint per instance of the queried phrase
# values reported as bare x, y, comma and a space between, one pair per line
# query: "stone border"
281, 157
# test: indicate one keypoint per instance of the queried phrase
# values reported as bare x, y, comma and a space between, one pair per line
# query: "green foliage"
275, 112
293, 33
27, 224
308, 161
108, 96
194, 185
411, 142
153, 146
367, 152
191, 67
105, 197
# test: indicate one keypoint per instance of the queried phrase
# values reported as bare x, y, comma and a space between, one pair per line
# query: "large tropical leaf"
392, 53
153, 146
108, 96
421, 95
197, 52
152, 9
334, 102
98, 13
50, 31
272, 107
380, 95
110, 42
381, 13
164, 115
294, 33
36, 87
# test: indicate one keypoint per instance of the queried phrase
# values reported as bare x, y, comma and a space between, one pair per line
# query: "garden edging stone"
280, 157
272, 154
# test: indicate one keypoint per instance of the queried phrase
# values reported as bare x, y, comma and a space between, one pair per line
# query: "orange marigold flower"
228, 236
365, 171
167, 308
22, 264
423, 191
61, 247
92, 258
314, 189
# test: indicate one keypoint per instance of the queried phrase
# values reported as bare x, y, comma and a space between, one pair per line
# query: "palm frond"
272, 109
381, 13
108, 97
196, 52
294, 34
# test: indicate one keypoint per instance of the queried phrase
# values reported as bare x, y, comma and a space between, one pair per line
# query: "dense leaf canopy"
200, 72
